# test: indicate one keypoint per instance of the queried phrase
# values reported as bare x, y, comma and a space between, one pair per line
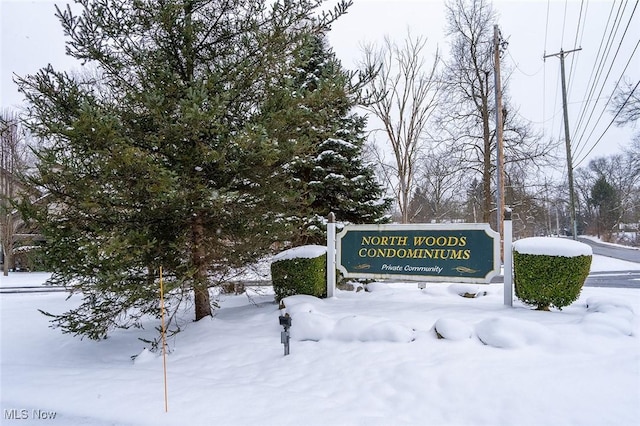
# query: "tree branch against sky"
467, 116
532, 28
403, 97
626, 104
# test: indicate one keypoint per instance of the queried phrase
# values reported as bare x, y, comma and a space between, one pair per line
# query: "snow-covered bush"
300, 270
550, 271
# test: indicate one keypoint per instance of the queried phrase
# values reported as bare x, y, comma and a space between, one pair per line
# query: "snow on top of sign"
302, 252
552, 247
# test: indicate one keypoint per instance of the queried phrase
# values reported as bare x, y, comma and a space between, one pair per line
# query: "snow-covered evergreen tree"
331, 174
160, 158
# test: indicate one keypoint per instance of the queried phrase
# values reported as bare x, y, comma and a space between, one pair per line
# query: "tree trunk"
202, 299
5, 261
7, 245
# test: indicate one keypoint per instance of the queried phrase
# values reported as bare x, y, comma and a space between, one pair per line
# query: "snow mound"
144, 357
438, 290
297, 299
311, 326
607, 304
552, 247
466, 290
609, 316
370, 329
511, 333
377, 287
302, 252
307, 301
317, 326
452, 329
308, 322
606, 324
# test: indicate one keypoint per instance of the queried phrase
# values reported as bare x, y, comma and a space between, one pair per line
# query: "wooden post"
164, 345
567, 140
499, 137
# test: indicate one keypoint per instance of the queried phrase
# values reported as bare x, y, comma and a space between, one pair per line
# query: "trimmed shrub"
292, 275
545, 280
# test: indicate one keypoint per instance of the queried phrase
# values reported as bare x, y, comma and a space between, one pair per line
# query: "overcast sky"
32, 38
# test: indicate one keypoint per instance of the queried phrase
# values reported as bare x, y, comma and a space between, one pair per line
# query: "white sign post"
508, 259
331, 254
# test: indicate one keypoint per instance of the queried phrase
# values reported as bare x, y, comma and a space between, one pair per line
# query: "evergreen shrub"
299, 275
33, 259
548, 280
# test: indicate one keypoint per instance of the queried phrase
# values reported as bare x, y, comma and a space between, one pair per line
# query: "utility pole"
567, 141
497, 46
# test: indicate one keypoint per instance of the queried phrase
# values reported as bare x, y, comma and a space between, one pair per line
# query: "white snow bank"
512, 333
313, 326
552, 247
608, 324
354, 328
452, 329
144, 357
605, 304
309, 323
609, 316
599, 241
466, 290
302, 299
606, 264
302, 252
233, 363
377, 287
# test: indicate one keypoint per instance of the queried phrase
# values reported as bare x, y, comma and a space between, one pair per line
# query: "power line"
546, 28
544, 65
584, 26
542, 123
564, 21
574, 58
591, 83
611, 123
608, 102
596, 71
515, 64
582, 141
575, 41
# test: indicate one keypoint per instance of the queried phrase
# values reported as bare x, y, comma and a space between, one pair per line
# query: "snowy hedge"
550, 271
300, 270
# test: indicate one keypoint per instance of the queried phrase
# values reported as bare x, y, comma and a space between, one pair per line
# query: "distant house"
17, 238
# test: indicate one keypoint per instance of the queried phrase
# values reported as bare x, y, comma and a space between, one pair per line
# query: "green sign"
458, 252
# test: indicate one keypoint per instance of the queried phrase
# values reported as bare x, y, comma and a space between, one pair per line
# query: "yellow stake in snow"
164, 345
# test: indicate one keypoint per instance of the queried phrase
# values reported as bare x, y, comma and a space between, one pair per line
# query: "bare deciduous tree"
468, 73
437, 197
466, 119
13, 162
402, 96
626, 103
622, 172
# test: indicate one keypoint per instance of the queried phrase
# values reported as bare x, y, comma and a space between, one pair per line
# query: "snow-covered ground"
367, 358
